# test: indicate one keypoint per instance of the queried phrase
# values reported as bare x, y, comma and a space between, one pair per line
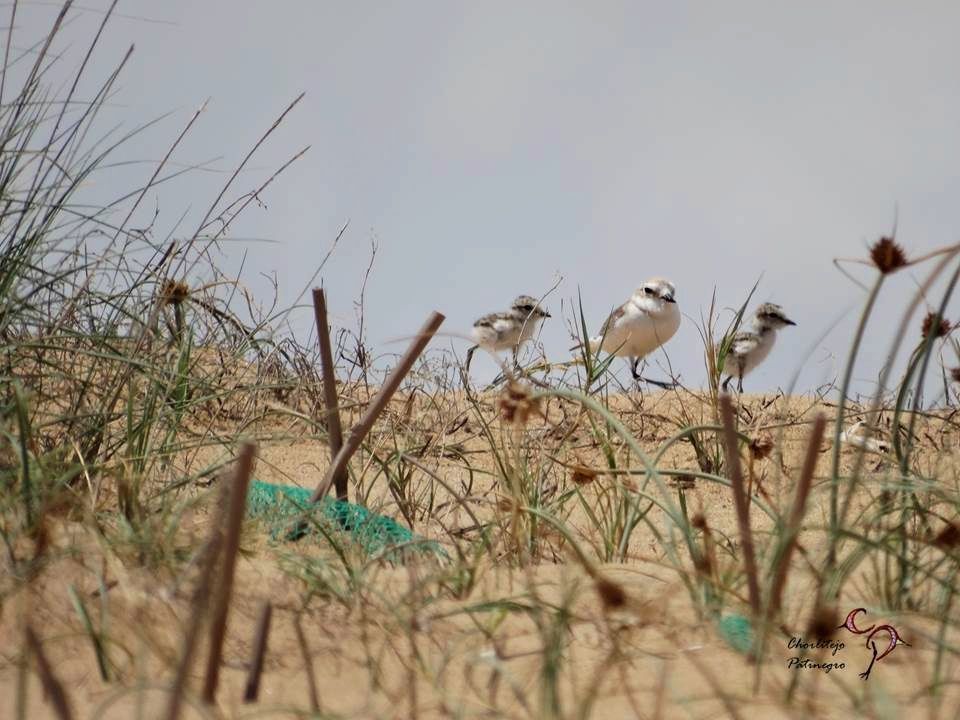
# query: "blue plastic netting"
282, 506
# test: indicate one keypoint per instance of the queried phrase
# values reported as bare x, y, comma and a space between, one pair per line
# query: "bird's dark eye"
648, 291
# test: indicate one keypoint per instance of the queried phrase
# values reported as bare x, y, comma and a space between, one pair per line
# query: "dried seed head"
582, 475
887, 255
173, 292
684, 482
932, 326
516, 404
948, 537
823, 623
761, 446
612, 594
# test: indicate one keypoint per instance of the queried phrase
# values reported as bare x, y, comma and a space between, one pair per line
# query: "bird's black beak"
789, 322
546, 314
668, 298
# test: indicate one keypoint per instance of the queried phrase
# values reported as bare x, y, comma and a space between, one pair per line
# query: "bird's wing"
743, 343
612, 319
489, 321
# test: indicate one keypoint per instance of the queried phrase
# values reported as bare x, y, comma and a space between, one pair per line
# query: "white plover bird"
642, 324
507, 330
751, 347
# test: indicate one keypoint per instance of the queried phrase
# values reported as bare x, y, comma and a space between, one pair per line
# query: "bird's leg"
726, 383
640, 378
658, 383
866, 673
516, 363
740, 385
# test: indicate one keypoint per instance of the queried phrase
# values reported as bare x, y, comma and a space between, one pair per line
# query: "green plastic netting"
737, 630
282, 505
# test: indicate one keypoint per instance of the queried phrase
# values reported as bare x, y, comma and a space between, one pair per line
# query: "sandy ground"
523, 636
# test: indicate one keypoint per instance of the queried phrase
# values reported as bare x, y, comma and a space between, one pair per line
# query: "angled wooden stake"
252, 689
795, 519
390, 385
237, 504
52, 686
199, 602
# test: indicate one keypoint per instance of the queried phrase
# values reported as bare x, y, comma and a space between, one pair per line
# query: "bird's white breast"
758, 353
638, 332
528, 329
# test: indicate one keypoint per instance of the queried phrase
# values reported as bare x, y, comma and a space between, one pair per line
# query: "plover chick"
860, 435
750, 347
642, 324
507, 330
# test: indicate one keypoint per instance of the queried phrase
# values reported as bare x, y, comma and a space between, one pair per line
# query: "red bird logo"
851, 624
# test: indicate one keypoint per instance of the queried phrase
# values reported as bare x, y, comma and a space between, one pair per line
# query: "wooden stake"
52, 687
740, 501
218, 625
259, 652
332, 418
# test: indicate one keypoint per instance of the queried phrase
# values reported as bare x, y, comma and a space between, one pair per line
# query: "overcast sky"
492, 148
